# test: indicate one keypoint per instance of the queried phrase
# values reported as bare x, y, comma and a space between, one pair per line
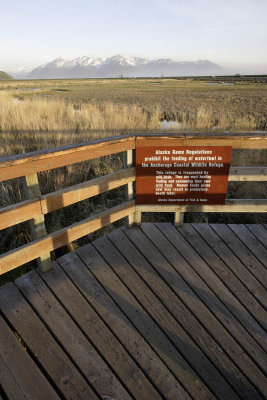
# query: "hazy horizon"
230, 33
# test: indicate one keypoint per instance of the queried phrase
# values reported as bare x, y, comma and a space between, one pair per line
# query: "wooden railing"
27, 166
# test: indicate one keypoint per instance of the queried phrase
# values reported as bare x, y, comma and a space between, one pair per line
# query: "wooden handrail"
231, 205
25, 210
45, 204
32, 250
38, 205
43, 160
20, 165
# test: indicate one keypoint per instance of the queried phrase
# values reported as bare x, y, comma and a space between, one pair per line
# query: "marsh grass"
38, 123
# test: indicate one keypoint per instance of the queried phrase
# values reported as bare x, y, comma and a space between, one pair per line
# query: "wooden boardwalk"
150, 312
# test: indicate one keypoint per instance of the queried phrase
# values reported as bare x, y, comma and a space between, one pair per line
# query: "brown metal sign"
182, 174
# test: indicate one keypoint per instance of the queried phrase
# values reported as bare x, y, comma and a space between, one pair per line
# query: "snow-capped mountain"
21, 72
89, 67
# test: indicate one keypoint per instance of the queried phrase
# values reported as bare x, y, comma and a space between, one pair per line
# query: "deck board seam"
38, 363
83, 331
259, 240
159, 327
152, 318
125, 315
182, 327
214, 315
219, 322
238, 257
60, 344
245, 244
110, 329
227, 287
225, 304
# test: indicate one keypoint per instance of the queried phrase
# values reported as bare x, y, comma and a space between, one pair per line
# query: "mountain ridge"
117, 66
5, 77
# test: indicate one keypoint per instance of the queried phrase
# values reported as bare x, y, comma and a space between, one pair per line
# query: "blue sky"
230, 33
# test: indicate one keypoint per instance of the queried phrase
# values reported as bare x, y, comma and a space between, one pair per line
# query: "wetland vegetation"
47, 113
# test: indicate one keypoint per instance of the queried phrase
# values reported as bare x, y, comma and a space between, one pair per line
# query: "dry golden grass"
40, 123
37, 124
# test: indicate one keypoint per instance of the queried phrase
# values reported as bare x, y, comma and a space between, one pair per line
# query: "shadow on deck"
150, 312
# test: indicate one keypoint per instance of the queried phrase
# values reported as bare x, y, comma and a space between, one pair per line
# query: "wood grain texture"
28, 209
236, 141
141, 318
251, 242
20, 165
259, 232
216, 295
18, 372
145, 313
20, 212
43, 346
224, 253
70, 336
157, 250
219, 277
103, 339
231, 205
247, 174
32, 190
65, 197
180, 312
114, 317
209, 309
28, 252
242, 252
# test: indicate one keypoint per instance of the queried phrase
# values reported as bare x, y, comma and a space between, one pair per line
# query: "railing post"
134, 218
31, 190
178, 218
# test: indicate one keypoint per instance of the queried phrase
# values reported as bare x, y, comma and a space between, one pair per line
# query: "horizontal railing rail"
27, 166
45, 204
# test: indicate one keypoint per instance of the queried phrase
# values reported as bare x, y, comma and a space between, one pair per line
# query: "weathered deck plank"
250, 242
66, 331
117, 321
225, 254
185, 345
45, 349
260, 232
145, 313
18, 372
211, 290
101, 336
242, 252
238, 299
199, 308
181, 313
